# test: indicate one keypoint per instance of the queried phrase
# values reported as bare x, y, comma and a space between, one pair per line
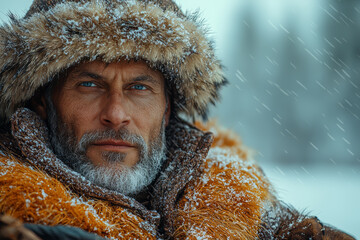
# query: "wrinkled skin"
123, 95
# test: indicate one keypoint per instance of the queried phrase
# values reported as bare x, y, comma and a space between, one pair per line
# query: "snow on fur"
227, 199
34, 197
35, 49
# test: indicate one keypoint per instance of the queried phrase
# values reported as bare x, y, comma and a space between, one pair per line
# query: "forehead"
125, 69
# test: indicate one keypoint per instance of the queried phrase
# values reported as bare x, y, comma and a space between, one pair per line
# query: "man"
93, 141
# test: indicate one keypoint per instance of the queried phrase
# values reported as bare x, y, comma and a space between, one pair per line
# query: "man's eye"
139, 87
88, 84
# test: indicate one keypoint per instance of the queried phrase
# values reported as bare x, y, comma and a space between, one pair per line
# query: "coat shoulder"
227, 198
225, 139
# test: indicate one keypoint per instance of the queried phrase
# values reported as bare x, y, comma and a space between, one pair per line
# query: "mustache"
122, 134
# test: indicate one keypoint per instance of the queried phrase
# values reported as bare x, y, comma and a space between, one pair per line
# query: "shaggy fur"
221, 196
58, 34
32, 196
224, 200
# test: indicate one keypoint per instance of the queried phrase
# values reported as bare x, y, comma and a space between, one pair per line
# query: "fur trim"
34, 197
34, 49
225, 202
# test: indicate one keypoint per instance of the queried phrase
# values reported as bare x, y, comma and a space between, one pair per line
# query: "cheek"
149, 119
78, 115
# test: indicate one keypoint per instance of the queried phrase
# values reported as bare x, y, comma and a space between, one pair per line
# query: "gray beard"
123, 179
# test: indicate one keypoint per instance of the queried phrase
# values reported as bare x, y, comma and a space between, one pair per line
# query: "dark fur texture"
282, 221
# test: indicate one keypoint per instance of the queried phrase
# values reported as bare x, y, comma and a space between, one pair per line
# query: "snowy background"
294, 94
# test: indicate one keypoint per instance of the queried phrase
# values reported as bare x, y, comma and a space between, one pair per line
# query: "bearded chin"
114, 176
124, 179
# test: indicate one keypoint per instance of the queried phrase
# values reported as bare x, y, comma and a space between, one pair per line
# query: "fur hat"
56, 34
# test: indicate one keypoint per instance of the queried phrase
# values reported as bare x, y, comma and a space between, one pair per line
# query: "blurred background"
294, 94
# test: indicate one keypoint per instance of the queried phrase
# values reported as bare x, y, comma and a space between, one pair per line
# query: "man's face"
110, 117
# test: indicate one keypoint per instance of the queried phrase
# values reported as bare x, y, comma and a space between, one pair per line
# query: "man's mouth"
113, 145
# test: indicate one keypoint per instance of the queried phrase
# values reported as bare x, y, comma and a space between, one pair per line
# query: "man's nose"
114, 113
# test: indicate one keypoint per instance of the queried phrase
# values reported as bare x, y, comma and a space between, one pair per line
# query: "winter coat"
209, 188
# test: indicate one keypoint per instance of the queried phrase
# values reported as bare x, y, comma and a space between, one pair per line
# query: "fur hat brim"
34, 49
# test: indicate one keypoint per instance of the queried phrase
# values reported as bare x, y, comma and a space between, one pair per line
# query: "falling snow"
294, 83
294, 86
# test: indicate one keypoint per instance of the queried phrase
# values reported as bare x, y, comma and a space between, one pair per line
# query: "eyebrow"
89, 74
140, 78
146, 78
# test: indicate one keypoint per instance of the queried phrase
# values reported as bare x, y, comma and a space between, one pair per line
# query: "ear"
38, 104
